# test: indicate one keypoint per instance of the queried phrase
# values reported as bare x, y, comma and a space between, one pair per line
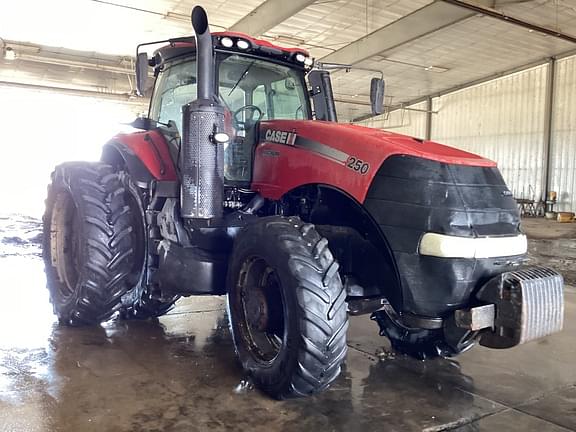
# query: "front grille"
410, 196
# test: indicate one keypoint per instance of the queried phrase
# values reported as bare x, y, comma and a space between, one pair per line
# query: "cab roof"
179, 47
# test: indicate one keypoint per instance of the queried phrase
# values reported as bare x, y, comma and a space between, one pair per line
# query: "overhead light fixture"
290, 40
431, 68
437, 69
9, 54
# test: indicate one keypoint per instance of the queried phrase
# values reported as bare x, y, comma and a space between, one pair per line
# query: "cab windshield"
250, 88
277, 91
274, 91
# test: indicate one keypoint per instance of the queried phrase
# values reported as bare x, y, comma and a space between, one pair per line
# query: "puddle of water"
20, 235
244, 386
26, 319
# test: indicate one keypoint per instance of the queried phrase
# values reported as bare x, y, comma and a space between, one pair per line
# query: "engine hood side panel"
292, 153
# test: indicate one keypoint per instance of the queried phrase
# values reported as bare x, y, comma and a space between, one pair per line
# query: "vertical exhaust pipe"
204, 54
202, 157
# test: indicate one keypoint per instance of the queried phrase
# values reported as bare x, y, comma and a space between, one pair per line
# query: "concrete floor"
181, 375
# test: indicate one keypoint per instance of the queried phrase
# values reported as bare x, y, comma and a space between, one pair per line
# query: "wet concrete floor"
180, 374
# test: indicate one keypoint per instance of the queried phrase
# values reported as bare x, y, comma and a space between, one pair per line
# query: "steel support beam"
548, 124
420, 23
478, 9
268, 15
428, 133
119, 97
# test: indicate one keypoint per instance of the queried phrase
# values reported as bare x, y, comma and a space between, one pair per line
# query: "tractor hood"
293, 153
342, 141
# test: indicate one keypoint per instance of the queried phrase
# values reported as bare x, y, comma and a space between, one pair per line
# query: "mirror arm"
346, 67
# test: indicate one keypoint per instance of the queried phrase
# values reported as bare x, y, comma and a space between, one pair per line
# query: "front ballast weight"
518, 306
512, 308
528, 305
202, 160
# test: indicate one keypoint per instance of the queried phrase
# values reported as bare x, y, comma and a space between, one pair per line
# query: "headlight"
446, 246
227, 42
242, 44
300, 58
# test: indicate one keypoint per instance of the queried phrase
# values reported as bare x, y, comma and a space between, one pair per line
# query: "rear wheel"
88, 242
287, 307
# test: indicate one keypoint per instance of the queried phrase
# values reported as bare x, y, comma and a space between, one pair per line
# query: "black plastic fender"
116, 153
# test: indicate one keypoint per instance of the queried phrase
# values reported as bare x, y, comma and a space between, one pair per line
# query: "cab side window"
175, 87
287, 98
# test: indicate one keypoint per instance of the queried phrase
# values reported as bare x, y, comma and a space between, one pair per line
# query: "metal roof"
443, 51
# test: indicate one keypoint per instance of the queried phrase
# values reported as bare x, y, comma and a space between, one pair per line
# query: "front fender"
145, 154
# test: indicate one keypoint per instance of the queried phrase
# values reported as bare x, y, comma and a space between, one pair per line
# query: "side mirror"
143, 123
377, 95
141, 72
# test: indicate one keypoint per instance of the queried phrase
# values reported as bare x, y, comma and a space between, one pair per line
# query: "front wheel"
287, 307
423, 344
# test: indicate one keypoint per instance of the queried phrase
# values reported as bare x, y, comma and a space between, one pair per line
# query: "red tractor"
236, 186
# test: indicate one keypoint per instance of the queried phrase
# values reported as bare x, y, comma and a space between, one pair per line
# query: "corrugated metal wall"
401, 121
503, 120
563, 160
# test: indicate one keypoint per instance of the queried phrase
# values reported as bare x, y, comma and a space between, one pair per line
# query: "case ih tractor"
236, 186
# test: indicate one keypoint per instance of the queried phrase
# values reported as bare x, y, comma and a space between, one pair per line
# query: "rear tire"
88, 242
287, 307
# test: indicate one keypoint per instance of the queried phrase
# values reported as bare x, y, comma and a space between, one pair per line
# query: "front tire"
287, 307
423, 344
89, 241
142, 304
144, 301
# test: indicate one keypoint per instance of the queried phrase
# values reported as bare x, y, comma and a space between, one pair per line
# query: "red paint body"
254, 41
259, 42
293, 167
144, 149
280, 168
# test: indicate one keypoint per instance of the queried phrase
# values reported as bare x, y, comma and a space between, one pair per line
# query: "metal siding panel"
563, 162
502, 120
406, 122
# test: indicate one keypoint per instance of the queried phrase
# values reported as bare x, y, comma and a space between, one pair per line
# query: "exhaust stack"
204, 54
202, 156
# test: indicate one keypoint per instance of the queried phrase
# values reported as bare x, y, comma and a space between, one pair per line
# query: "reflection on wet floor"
180, 374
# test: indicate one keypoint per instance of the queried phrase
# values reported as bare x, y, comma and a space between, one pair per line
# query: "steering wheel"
250, 118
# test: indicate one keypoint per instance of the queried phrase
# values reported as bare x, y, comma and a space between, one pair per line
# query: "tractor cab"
254, 81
